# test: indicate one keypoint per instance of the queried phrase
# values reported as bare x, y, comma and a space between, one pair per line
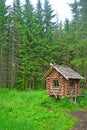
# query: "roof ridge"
66, 71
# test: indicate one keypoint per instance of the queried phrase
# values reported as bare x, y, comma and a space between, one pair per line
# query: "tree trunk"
30, 84
12, 64
0, 65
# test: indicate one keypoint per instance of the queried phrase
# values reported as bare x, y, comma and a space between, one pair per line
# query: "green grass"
34, 110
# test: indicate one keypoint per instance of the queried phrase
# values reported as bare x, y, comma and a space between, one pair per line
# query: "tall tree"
83, 32
79, 33
49, 33
39, 18
48, 15
30, 43
83, 14
76, 15
16, 40
3, 37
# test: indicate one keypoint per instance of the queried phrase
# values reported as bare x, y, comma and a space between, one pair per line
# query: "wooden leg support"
57, 98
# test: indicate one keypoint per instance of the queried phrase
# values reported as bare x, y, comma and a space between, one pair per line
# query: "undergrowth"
34, 110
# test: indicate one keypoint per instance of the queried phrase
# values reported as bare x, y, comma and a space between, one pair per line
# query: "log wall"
63, 88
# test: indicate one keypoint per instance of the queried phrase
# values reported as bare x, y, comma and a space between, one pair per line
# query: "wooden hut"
62, 81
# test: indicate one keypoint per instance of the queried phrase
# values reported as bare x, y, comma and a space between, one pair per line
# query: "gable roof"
67, 72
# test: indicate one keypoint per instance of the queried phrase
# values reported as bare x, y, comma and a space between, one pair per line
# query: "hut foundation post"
57, 98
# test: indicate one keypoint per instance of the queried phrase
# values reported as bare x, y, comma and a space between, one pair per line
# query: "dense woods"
31, 38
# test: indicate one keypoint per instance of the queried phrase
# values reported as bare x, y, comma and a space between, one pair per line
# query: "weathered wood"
68, 82
65, 90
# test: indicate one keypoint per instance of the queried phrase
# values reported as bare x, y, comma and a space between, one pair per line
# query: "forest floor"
82, 119
34, 110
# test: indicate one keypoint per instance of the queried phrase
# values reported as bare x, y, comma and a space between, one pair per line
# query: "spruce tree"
17, 45
79, 32
3, 42
83, 34
39, 18
30, 44
49, 34
76, 15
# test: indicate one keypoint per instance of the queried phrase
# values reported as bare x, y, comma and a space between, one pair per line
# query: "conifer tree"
76, 15
48, 15
30, 43
83, 34
39, 18
49, 34
3, 37
17, 45
79, 33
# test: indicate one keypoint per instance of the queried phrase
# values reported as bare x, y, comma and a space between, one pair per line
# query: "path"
82, 120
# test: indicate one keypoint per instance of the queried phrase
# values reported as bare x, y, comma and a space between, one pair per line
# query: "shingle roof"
67, 72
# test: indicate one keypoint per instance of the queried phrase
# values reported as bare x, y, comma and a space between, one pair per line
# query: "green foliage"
83, 100
4, 46
33, 110
30, 40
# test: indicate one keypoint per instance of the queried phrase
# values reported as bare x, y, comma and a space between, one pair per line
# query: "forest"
32, 38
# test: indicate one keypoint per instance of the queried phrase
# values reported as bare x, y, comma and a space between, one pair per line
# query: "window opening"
56, 83
70, 83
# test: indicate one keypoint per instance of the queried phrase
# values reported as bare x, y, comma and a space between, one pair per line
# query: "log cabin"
62, 81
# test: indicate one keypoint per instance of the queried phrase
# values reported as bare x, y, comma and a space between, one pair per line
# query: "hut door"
70, 87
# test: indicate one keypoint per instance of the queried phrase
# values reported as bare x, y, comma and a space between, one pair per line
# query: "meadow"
34, 110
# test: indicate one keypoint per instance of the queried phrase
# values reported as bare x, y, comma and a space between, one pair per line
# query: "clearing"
34, 110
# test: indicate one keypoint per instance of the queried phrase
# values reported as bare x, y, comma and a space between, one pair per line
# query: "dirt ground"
82, 119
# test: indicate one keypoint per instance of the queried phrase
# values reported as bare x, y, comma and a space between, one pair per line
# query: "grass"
34, 110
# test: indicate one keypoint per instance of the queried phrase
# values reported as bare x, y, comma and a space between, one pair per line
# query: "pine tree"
30, 43
48, 16
83, 34
49, 33
83, 14
39, 18
3, 42
76, 15
79, 32
16, 45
